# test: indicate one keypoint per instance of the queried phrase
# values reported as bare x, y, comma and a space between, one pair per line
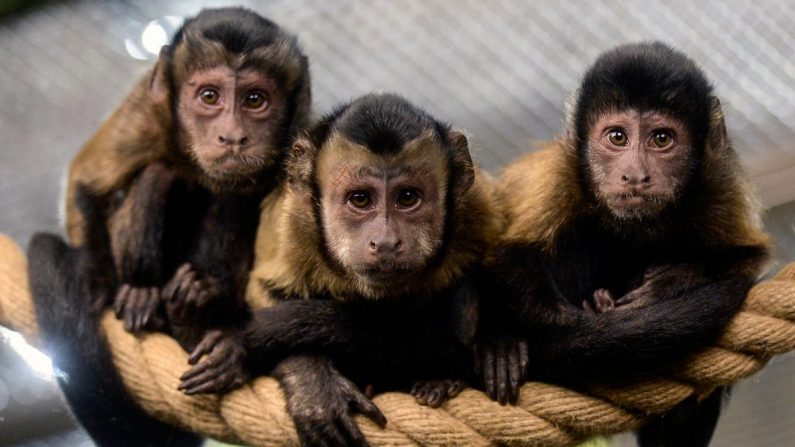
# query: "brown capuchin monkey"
362, 261
163, 207
640, 205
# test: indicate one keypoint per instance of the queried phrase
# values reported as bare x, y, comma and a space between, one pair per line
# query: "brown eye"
209, 96
359, 199
255, 100
617, 137
662, 139
408, 198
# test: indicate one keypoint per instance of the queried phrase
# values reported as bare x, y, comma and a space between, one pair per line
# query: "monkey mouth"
386, 272
631, 200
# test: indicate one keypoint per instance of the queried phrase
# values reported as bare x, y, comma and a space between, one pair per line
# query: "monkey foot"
434, 393
223, 368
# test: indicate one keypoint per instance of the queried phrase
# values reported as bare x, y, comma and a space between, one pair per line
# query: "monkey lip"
385, 271
633, 199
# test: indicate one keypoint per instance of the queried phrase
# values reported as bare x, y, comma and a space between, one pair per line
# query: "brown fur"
541, 195
136, 134
288, 258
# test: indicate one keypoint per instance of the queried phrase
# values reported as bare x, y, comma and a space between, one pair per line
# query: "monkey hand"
322, 403
603, 301
501, 362
138, 307
434, 393
221, 370
187, 294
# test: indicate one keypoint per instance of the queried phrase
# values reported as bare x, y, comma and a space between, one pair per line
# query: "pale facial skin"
639, 161
230, 117
383, 215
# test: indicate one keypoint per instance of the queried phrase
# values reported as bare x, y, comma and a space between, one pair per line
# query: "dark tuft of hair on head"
384, 123
645, 76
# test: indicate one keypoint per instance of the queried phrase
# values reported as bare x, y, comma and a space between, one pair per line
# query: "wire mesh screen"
500, 70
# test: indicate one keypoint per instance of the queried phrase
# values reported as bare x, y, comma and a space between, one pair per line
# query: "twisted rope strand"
546, 415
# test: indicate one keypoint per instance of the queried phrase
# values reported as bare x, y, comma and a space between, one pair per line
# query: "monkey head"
239, 88
383, 177
640, 122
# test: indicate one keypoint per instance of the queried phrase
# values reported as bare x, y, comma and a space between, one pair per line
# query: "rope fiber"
546, 415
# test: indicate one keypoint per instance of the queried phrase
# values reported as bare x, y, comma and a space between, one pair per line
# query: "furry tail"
69, 329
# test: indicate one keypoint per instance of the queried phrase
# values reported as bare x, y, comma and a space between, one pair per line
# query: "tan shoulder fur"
539, 194
134, 135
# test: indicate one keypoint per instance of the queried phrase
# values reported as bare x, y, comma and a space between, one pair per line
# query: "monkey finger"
489, 380
366, 407
421, 394
514, 375
587, 307
524, 357
350, 430
183, 269
195, 371
169, 292
205, 346
436, 397
501, 369
333, 435
454, 387
120, 300
204, 297
151, 305
187, 281
211, 375
202, 385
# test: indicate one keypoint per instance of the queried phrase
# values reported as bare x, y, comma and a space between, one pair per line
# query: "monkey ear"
464, 174
158, 83
299, 164
717, 141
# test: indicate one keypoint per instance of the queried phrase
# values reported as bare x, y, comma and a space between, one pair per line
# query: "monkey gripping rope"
547, 415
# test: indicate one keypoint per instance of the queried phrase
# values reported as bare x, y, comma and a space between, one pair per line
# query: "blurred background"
500, 70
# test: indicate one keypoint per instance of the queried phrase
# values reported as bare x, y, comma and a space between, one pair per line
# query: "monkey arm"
378, 337
672, 324
138, 227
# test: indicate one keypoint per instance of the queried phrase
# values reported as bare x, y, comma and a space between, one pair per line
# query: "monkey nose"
635, 179
233, 140
386, 247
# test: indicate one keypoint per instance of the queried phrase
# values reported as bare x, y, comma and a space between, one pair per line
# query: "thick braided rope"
546, 415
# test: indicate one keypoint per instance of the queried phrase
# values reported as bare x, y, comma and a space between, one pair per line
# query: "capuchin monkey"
163, 204
364, 258
640, 205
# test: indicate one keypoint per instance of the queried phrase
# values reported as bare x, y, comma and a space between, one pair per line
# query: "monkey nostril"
624, 178
244, 141
373, 246
646, 179
221, 139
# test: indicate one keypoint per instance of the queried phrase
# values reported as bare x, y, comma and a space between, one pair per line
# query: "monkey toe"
603, 301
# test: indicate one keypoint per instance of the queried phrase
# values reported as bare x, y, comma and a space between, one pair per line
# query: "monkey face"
383, 214
639, 161
229, 121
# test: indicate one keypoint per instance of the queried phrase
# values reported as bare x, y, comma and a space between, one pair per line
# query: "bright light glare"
154, 37
38, 362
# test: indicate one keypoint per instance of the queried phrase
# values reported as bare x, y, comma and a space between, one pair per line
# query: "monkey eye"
408, 198
662, 139
256, 100
360, 199
617, 137
209, 96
